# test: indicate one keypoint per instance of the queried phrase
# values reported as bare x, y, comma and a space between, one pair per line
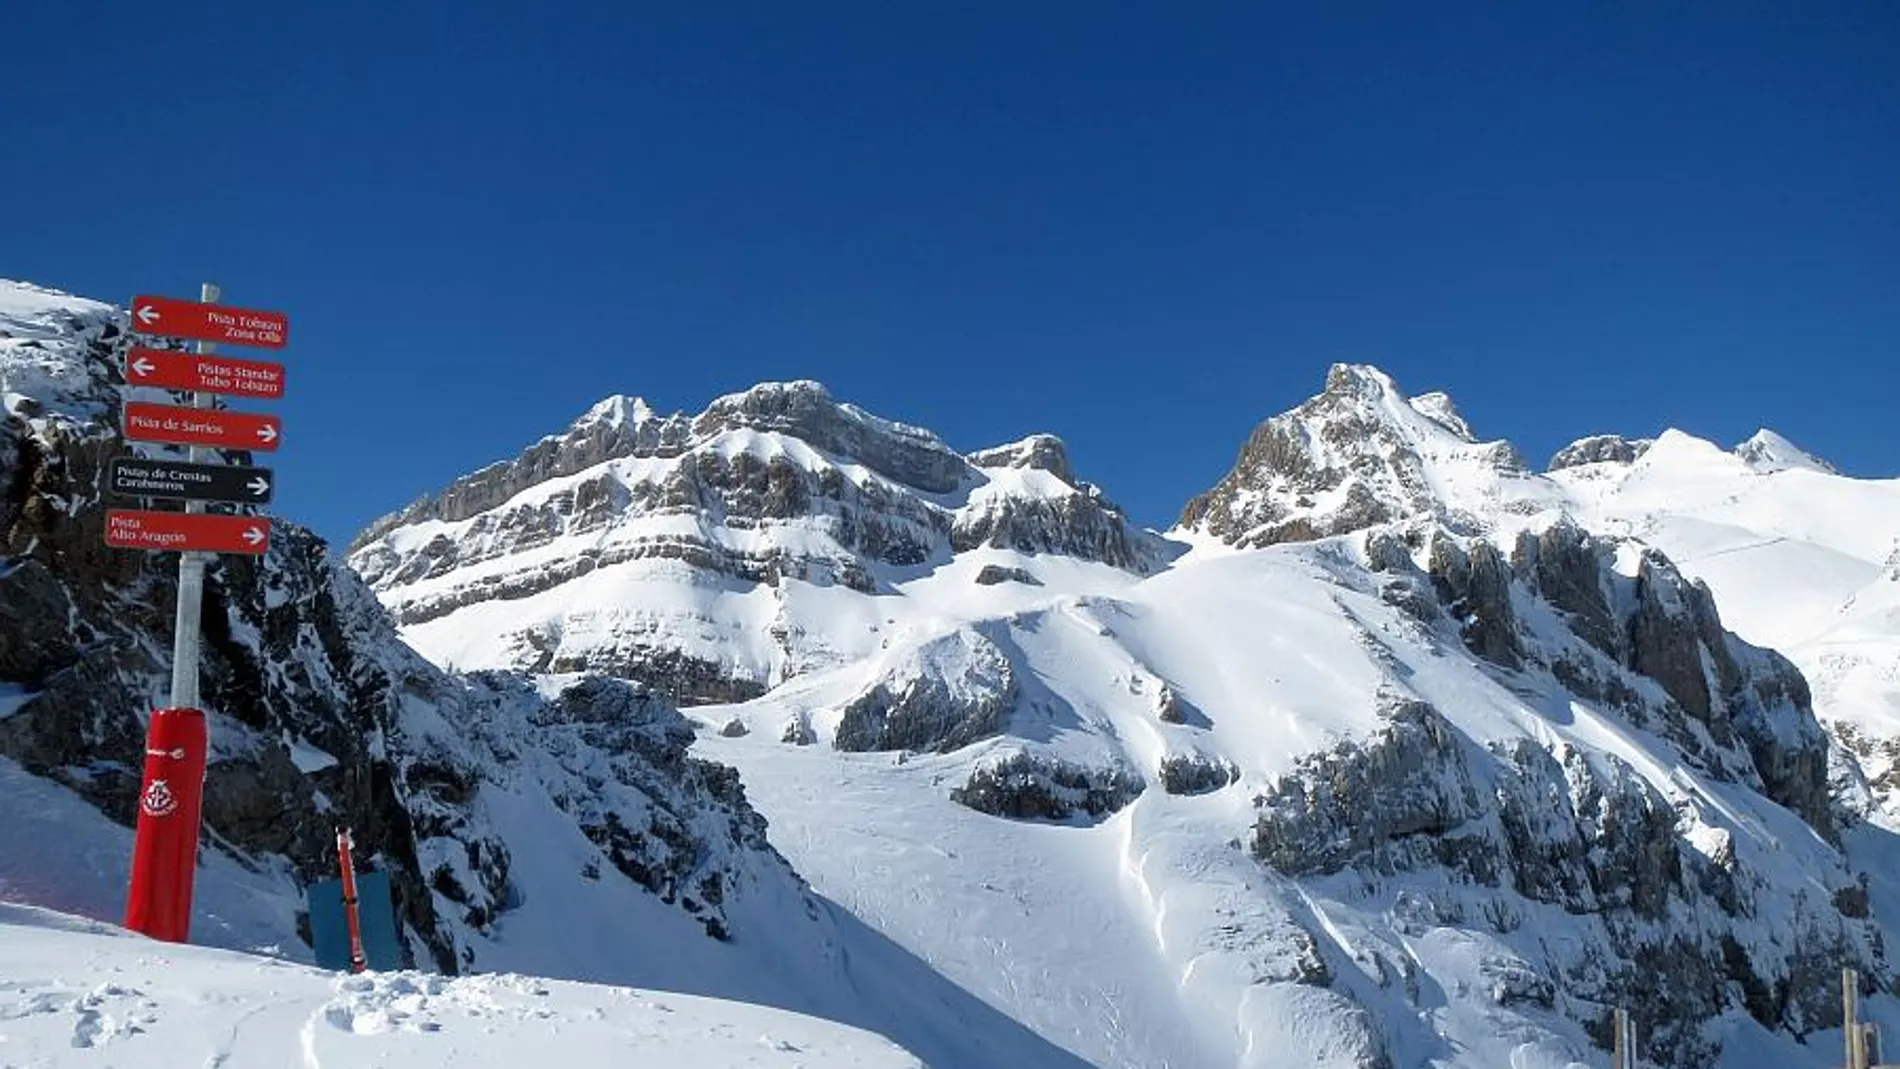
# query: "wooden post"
1850, 1020
1621, 1056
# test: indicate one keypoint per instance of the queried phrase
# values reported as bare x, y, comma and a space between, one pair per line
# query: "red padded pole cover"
165, 855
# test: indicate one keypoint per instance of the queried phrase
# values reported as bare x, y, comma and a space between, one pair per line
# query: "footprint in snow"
86, 1029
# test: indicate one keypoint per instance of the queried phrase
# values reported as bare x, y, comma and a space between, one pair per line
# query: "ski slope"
76, 994
1151, 937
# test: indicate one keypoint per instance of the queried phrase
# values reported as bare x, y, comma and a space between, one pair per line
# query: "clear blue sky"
1141, 227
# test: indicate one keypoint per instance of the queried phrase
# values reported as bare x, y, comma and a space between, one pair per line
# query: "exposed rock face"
318, 715
1599, 449
992, 574
1580, 831
1681, 937
1040, 452
1029, 786
940, 696
668, 821
1357, 455
766, 490
1193, 773
1742, 710
1768, 452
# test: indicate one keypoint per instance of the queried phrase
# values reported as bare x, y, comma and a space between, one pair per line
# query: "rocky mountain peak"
1767, 451
1362, 381
806, 410
1038, 452
1359, 454
1437, 407
617, 410
766, 494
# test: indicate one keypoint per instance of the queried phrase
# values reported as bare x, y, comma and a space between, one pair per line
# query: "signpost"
204, 321
185, 531
212, 374
145, 422
158, 902
132, 477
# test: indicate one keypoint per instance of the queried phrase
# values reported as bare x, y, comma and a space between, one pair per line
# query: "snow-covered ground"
76, 994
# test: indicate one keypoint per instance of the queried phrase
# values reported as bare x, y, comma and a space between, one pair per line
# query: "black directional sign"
133, 477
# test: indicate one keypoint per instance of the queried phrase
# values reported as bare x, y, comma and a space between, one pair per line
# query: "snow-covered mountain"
706, 556
1414, 759
1799, 557
554, 824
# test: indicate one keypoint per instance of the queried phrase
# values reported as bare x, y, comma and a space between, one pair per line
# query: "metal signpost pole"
191, 569
171, 793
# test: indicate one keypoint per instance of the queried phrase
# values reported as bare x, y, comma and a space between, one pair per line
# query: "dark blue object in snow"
330, 933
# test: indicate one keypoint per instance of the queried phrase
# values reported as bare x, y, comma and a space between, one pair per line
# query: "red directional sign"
209, 373
174, 318
131, 529
201, 426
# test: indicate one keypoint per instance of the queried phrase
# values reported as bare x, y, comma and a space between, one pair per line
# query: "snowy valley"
1395, 752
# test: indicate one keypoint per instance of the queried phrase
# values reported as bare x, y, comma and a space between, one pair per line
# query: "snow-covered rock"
1359, 454
1767, 452
1599, 449
690, 552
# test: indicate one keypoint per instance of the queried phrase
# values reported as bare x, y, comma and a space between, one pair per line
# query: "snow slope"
75, 993
1150, 937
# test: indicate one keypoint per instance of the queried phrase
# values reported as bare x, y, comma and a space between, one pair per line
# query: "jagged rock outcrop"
992, 574
1563, 830
941, 695
1358, 455
1743, 712
1034, 786
1599, 449
1038, 452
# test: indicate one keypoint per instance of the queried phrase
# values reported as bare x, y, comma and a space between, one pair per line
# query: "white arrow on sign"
252, 535
147, 314
259, 486
143, 366
267, 433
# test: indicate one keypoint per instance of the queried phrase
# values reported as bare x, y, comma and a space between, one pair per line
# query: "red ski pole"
343, 843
